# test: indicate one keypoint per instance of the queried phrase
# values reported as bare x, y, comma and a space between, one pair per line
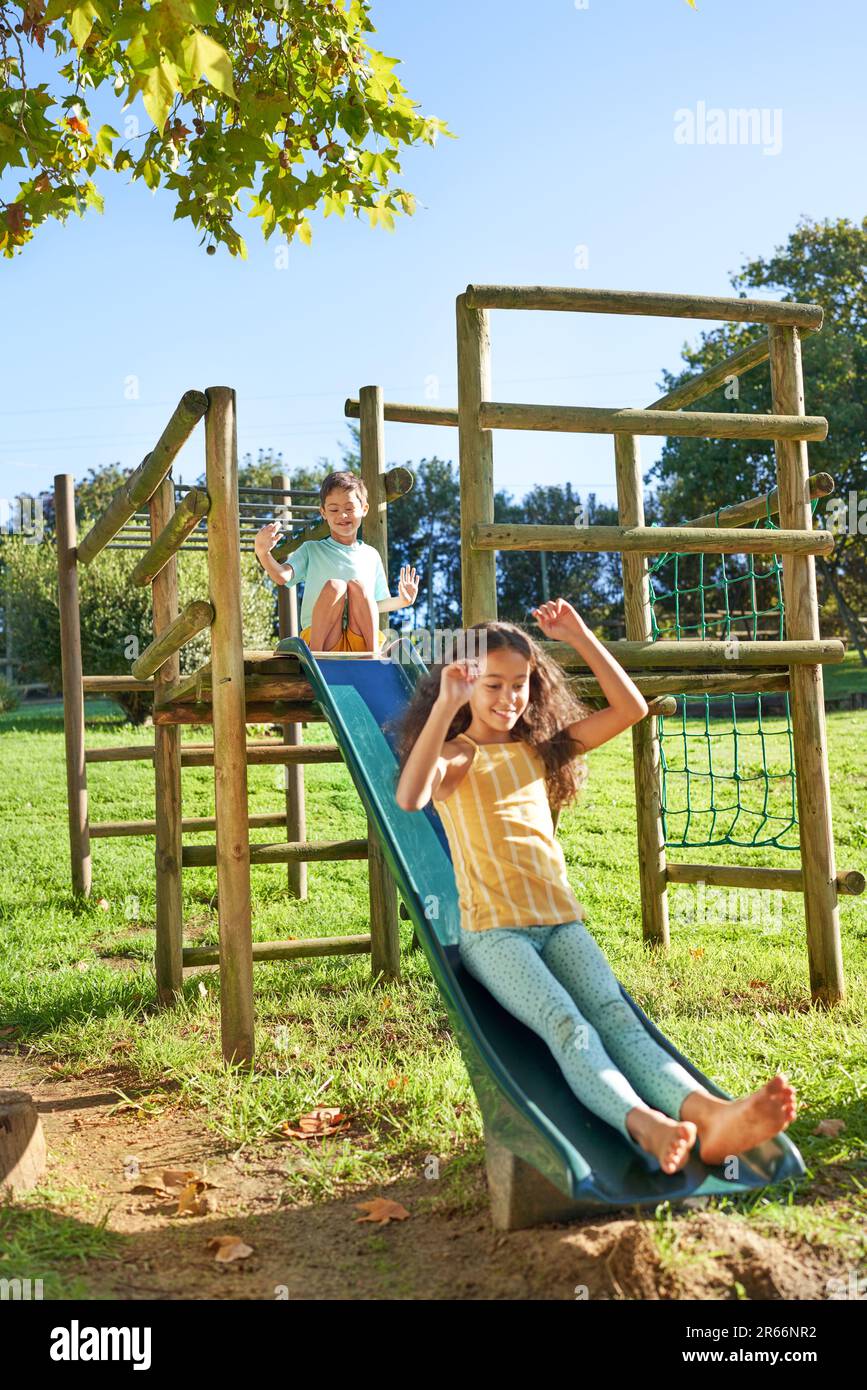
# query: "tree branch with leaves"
285, 102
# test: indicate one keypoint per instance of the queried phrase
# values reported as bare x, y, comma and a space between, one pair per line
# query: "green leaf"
56, 8
105, 135
205, 58
204, 11
158, 91
150, 173
81, 22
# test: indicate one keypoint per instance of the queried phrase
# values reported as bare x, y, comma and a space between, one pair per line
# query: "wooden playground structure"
239, 687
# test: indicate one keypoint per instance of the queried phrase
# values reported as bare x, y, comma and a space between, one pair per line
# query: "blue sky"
566, 118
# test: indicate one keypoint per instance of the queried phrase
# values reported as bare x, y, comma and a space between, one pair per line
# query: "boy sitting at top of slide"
345, 585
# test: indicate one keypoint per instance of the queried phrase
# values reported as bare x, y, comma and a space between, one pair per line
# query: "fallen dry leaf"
696, 952
104, 904
382, 1210
150, 1182
397, 1081
228, 1248
829, 1129
325, 1120
758, 984
190, 1197
179, 1177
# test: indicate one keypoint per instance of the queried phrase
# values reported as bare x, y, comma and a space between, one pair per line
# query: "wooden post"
806, 689
73, 692
475, 445
22, 1144
645, 736
167, 769
372, 448
230, 756
293, 774
384, 924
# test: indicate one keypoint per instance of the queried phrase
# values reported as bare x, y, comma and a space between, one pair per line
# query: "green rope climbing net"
728, 772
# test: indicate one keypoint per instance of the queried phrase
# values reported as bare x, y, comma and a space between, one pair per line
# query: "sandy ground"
322, 1251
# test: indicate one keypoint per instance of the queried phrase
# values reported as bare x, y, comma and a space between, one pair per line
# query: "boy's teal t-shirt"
315, 561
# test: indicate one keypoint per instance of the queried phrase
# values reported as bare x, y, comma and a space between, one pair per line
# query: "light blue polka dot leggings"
557, 981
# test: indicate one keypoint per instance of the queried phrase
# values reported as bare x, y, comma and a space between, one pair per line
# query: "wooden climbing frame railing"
803, 654
233, 689
703, 667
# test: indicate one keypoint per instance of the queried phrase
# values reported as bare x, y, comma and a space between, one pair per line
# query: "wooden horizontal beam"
114, 685
307, 852
270, 662
680, 424
184, 519
682, 306
109, 829
286, 950
408, 414
849, 881
697, 684
258, 755
652, 540
202, 754
258, 712
143, 483
694, 654
188, 624
197, 686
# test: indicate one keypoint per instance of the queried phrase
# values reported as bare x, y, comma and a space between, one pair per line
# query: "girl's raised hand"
559, 620
457, 681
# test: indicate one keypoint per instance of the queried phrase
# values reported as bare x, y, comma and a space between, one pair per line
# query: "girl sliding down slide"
497, 744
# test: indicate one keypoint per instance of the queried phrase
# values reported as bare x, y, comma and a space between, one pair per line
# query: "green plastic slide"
526, 1103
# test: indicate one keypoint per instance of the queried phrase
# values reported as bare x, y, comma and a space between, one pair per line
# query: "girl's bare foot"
668, 1140
728, 1127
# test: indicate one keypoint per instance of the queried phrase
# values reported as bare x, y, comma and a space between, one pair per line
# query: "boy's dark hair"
342, 481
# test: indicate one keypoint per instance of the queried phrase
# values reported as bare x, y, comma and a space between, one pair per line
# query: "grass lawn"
77, 984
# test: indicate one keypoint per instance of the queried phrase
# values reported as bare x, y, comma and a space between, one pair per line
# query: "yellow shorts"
348, 640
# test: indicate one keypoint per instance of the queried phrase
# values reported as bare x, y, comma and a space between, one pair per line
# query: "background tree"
822, 262
112, 608
589, 580
284, 99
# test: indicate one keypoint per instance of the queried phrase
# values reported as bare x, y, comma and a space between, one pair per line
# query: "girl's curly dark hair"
543, 725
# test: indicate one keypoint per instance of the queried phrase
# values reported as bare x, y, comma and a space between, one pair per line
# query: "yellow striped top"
509, 867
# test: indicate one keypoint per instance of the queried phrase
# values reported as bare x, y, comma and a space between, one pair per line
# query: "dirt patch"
447, 1249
